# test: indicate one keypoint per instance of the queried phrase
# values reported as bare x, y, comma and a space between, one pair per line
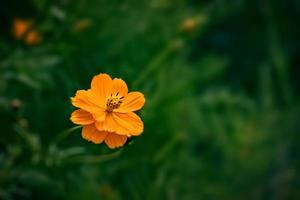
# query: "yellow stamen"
113, 102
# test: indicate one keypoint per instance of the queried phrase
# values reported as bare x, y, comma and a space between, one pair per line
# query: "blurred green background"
221, 79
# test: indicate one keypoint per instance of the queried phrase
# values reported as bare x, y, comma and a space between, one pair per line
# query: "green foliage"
221, 84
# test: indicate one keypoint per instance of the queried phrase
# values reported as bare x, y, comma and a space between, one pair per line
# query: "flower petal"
99, 125
85, 100
99, 116
132, 102
123, 123
119, 86
82, 117
114, 140
90, 133
102, 85
88, 101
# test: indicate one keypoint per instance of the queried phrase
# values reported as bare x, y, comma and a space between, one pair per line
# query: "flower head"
82, 25
106, 111
33, 38
188, 25
20, 27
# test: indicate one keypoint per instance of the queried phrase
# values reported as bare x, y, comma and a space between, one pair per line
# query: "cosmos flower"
82, 25
20, 27
106, 111
33, 38
22, 30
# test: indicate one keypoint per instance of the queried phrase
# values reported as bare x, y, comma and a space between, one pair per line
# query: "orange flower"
33, 38
82, 25
22, 30
188, 25
106, 111
20, 27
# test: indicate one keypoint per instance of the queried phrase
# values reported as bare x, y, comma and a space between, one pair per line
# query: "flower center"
113, 102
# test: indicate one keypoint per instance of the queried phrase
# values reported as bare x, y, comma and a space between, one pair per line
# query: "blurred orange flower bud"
20, 27
188, 25
82, 25
191, 24
33, 38
16, 104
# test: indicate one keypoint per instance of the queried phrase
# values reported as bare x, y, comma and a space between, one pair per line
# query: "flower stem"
94, 158
163, 54
62, 135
